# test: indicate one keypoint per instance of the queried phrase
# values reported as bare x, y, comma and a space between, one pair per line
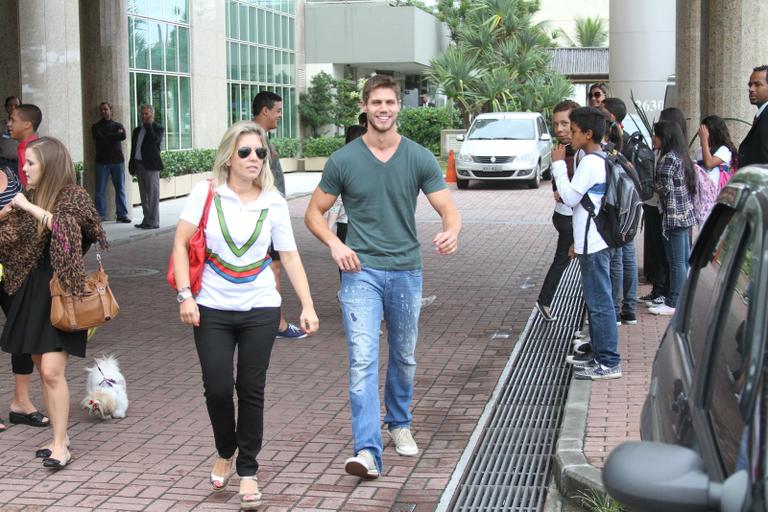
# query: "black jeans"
564, 226
253, 333
655, 264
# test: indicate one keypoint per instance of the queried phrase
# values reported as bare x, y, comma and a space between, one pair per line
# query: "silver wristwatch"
184, 294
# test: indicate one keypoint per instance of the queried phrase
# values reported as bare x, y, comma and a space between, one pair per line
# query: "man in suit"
754, 148
146, 164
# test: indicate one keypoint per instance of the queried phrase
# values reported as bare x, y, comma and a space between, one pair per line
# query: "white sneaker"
663, 310
404, 442
362, 465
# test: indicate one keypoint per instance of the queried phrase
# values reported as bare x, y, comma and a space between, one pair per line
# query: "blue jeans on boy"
596, 284
677, 246
624, 279
365, 297
117, 173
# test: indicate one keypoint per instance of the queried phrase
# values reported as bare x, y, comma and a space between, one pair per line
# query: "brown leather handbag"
95, 307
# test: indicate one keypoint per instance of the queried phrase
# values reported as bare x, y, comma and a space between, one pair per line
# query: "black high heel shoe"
52, 463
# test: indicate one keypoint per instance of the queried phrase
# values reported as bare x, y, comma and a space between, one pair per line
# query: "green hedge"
423, 124
287, 148
188, 161
321, 146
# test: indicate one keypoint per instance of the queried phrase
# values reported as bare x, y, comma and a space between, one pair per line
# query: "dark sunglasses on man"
245, 152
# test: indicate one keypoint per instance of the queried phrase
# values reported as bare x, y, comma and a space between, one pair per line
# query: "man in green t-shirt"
379, 177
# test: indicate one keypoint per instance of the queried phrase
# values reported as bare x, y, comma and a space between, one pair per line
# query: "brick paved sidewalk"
158, 458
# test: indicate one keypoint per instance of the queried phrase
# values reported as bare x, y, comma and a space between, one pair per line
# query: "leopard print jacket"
75, 227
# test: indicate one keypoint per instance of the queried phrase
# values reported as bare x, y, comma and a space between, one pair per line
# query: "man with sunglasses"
267, 110
597, 94
380, 176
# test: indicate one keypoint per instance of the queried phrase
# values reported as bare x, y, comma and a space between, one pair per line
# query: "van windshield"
512, 129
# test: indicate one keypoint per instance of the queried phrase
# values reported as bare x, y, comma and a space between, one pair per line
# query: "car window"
514, 129
705, 286
729, 368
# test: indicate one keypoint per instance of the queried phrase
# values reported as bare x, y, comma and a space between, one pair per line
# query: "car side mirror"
667, 478
545, 137
460, 138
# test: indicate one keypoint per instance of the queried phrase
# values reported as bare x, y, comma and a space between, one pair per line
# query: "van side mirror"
545, 137
460, 137
667, 478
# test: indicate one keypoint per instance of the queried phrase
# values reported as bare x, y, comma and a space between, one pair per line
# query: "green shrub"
287, 148
321, 146
423, 124
188, 161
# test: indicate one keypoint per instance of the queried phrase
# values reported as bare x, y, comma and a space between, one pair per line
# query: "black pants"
20, 363
655, 264
253, 333
564, 226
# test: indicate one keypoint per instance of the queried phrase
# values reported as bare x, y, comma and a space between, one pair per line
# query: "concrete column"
104, 57
209, 68
10, 74
688, 63
49, 57
642, 57
733, 42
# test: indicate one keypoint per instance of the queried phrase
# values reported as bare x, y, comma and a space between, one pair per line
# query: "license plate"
491, 167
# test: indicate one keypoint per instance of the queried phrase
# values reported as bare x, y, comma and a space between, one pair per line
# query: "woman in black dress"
51, 226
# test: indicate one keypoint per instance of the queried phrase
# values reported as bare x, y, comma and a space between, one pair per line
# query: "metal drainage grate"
510, 467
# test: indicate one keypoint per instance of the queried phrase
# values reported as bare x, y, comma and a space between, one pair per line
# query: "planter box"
167, 188
182, 185
315, 163
291, 164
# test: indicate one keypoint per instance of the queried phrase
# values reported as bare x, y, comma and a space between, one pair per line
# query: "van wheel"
536, 180
462, 184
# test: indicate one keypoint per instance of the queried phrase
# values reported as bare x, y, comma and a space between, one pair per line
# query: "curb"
574, 475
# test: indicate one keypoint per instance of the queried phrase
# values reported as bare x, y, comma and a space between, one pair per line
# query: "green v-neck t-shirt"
380, 200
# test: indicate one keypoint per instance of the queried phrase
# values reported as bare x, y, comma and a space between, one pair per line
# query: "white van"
505, 146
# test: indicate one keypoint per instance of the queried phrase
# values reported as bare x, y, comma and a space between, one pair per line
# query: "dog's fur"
106, 396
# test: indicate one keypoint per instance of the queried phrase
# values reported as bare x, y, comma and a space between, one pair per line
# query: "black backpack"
622, 206
643, 160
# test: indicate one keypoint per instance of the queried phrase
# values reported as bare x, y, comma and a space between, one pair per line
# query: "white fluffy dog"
106, 396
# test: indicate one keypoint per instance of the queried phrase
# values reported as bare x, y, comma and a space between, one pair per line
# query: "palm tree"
591, 32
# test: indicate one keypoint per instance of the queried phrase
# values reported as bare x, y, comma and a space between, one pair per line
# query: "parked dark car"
709, 388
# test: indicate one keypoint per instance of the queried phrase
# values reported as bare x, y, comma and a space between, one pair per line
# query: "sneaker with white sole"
362, 465
291, 332
658, 301
586, 359
662, 310
598, 372
545, 312
583, 347
404, 442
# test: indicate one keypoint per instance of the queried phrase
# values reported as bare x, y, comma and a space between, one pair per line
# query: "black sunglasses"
245, 151
595, 94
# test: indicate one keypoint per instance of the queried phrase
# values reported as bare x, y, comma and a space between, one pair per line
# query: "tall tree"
316, 106
499, 60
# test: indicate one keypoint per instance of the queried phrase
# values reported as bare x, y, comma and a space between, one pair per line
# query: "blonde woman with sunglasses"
238, 305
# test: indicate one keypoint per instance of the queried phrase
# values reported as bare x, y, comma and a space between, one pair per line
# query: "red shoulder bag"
197, 250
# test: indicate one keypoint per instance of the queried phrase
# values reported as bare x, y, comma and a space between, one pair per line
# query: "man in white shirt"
587, 129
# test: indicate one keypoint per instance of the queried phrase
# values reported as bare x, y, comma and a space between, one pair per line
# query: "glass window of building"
261, 56
158, 65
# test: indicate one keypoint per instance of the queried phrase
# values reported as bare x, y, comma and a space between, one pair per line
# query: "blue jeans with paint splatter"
366, 297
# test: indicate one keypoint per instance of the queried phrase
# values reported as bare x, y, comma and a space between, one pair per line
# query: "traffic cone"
450, 173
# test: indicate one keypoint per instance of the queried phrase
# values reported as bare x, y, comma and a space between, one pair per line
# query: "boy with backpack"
592, 251
624, 277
